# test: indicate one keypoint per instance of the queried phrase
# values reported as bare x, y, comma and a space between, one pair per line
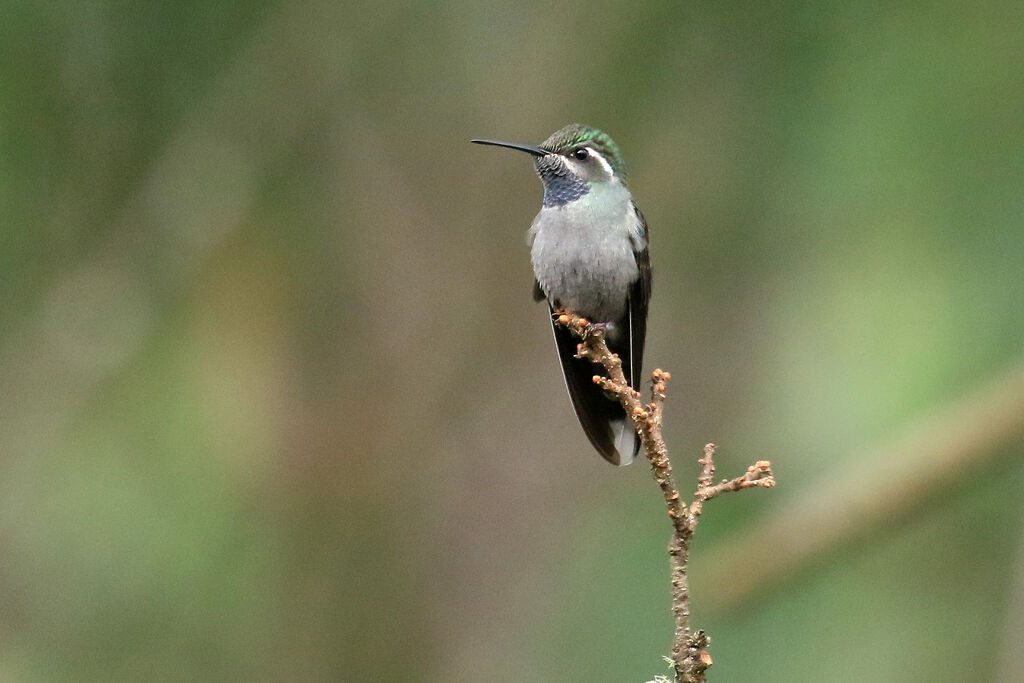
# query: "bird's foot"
599, 328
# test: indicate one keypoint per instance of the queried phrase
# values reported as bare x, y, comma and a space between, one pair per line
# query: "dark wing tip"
597, 414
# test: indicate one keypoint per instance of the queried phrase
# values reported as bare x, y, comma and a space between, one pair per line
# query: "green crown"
576, 135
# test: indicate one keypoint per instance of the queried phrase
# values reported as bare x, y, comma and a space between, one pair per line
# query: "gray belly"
587, 267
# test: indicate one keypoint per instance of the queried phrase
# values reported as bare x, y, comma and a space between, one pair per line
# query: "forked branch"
689, 649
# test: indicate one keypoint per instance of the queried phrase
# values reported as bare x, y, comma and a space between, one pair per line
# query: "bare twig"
689, 649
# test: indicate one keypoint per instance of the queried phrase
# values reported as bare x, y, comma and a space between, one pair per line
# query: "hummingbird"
588, 247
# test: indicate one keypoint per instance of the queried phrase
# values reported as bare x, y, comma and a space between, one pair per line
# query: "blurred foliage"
277, 404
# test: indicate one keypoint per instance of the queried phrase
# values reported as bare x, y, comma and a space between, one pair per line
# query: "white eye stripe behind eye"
604, 162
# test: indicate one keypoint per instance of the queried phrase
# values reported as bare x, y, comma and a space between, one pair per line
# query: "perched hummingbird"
589, 252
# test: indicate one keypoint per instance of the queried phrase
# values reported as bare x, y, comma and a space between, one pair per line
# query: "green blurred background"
276, 403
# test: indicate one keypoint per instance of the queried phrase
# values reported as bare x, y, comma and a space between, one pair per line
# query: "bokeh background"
276, 403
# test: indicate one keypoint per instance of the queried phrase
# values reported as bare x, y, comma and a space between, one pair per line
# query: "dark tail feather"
603, 420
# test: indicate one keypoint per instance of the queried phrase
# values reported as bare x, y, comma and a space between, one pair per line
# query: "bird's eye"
581, 153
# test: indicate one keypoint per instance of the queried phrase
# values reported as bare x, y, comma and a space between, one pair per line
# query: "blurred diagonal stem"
873, 489
689, 647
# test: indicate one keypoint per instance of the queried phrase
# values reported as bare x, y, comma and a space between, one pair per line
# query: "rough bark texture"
689, 647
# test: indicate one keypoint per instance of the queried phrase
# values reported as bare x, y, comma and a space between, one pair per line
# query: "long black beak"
529, 149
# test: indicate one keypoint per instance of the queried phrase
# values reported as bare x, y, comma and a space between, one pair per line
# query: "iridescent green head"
572, 161
570, 140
